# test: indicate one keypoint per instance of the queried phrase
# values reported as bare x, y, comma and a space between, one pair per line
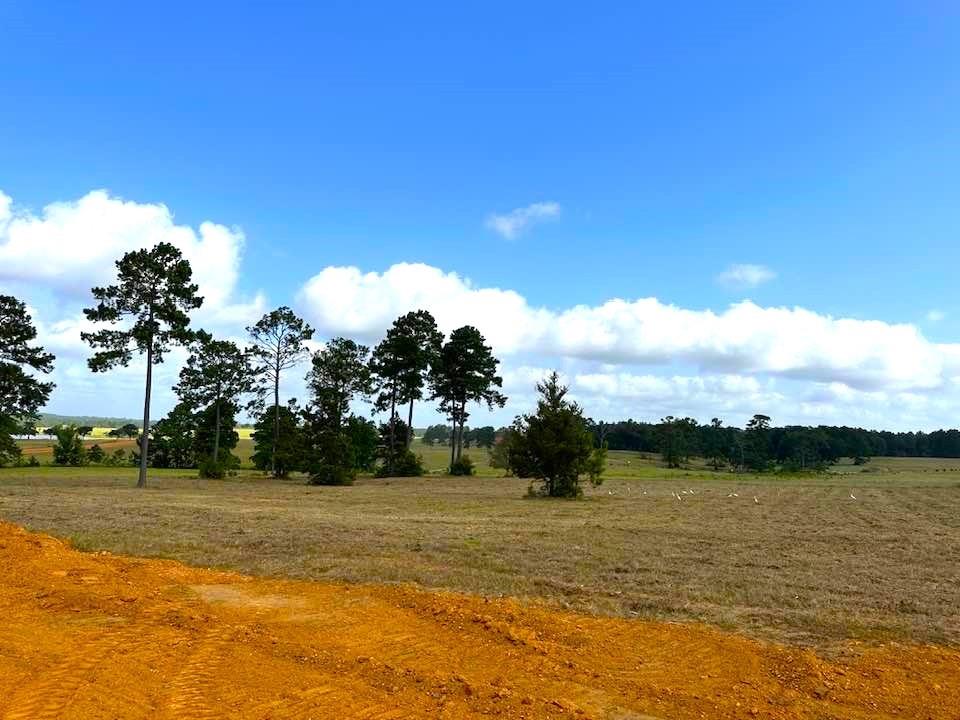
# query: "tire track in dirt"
191, 691
46, 697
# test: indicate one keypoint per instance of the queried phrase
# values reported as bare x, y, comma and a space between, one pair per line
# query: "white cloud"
71, 246
511, 224
68, 247
745, 338
346, 301
745, 275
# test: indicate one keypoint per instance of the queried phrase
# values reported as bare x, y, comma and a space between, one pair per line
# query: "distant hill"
51, 419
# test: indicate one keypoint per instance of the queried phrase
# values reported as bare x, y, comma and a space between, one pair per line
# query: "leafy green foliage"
127, 431
95, 454
463, 465
212, 469
397, 460
21, 393
211, 422
500, 450
677, 440
339, 374
172, 443
405, 464
394, 437
436, 434
154, 295
215, 375
554, 446
69, 449
286, 455
482, 437
756, 444
465, 372
9, 450
363, 442
279, 344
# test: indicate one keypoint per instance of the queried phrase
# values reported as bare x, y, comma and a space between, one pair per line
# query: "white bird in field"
644, 492
852, 496
756, 500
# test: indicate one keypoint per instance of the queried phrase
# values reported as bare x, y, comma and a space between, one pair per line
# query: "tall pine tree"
155, 294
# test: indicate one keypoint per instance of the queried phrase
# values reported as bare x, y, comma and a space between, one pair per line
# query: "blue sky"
818, 142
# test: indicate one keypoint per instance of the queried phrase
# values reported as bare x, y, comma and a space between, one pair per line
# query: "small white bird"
644, 492
756, 500
852, 496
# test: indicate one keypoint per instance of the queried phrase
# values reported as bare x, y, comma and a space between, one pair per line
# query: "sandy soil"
102, 636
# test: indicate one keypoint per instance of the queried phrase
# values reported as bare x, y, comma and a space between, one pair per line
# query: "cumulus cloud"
745, 338
71, 246
745, 275
347, 301
511, 224
53, 257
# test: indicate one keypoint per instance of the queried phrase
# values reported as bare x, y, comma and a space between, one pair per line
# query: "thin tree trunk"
393, 418
463, 410
276, 420
216, 437
144, 436
409, 425
453, 440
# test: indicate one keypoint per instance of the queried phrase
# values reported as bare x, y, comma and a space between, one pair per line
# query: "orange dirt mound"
101, 636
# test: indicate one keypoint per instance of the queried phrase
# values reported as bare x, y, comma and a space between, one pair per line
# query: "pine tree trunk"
276, 420
463, 410
144, 436
393, 417
409, 425
453, 440
216, 437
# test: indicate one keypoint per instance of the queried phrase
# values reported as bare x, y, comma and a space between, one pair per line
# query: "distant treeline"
792, 443
52, 419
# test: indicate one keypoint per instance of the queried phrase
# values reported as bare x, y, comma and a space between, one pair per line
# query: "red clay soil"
102, 636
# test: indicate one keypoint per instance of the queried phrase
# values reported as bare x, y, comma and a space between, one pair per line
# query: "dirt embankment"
100, 636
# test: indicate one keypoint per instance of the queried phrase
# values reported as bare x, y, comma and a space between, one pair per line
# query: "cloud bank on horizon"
624, 357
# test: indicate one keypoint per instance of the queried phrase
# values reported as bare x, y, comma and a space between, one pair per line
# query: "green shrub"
96, 454
405, 464
332, 474
462, 466
212, 469
69, 449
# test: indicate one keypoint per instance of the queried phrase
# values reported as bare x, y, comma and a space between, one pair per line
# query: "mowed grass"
803, 563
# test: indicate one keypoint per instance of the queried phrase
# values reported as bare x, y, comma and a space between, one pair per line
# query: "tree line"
759, 445
147, 313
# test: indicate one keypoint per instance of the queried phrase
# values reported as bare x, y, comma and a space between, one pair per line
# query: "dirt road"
100, 636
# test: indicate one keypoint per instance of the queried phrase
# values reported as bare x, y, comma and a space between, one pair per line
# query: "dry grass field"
794, 559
